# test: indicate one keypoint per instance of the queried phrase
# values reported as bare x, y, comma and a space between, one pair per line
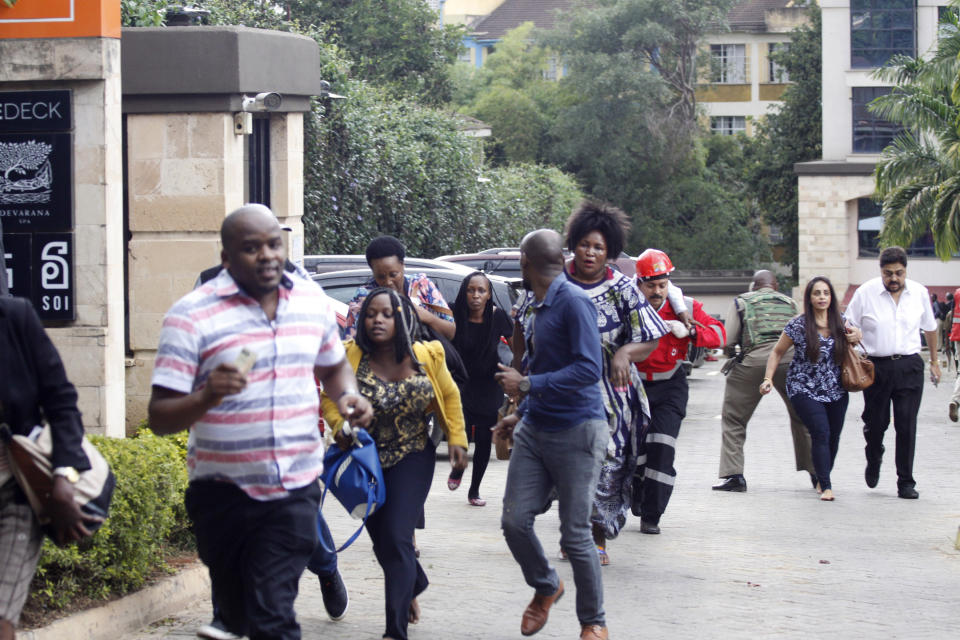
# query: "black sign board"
40, 267
36, 182
36, 199
25, 111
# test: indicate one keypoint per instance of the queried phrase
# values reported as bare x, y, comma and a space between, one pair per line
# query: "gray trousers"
740, 399
569, 461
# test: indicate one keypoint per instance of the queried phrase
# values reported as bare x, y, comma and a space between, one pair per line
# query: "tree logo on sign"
27, 175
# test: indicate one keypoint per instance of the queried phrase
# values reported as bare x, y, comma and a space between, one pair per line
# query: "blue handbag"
355, 478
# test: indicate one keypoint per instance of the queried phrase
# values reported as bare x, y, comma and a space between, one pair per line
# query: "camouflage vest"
763, 315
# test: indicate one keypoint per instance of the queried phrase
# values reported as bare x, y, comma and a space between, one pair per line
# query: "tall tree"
661, 35
399, 44
791, 133
918, 177
628, 133
511, 94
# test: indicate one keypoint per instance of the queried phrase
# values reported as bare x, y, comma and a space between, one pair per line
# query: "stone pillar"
92, 346
827, 220
185, 173
286, 177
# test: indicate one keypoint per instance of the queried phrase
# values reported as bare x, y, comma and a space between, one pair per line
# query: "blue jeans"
570, 461
824, 421
322, 562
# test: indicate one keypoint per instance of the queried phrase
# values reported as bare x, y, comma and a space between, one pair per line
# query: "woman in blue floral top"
813, 379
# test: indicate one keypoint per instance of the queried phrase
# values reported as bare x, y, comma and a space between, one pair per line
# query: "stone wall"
185, 173
827, 219
92, 346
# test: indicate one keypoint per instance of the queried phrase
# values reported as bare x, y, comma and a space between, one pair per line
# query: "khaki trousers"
740, 399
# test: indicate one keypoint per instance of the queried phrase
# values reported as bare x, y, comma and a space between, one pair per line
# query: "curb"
131, 612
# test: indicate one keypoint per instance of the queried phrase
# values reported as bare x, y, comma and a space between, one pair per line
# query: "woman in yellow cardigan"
405, 382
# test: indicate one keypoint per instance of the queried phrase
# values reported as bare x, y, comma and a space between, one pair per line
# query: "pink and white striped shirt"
264, 439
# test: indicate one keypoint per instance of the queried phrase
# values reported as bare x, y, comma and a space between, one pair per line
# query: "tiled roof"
512, 13
748, 15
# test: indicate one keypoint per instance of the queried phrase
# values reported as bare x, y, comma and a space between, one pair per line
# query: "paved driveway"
772, 562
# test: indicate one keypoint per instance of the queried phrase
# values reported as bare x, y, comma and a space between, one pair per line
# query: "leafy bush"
147, 520
524, 197
377, 165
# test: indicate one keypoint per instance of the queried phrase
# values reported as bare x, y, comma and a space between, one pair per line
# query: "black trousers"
668, 407
391, 530
478, 430
255, 551
899, 382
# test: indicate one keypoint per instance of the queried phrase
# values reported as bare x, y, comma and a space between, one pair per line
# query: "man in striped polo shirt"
254, 451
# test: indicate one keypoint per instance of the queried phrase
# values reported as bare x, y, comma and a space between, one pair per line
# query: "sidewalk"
770, 563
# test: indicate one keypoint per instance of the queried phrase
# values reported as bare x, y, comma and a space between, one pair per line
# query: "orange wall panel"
60, 19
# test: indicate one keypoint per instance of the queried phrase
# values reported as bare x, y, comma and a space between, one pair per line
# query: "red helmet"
652, 263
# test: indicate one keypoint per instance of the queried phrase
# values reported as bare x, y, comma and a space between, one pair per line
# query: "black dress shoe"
732, 483
649, 527
872, 474
907, 493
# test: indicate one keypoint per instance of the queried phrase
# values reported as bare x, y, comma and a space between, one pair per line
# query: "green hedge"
147, 522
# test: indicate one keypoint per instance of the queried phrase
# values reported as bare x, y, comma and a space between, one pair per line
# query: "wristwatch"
67, 472
524, 385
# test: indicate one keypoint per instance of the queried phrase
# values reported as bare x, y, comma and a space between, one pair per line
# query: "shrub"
147, 520
376, 165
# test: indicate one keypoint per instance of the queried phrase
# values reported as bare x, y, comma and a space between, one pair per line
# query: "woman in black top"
480, 326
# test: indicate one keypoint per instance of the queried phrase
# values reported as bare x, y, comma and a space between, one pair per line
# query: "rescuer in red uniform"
665, 383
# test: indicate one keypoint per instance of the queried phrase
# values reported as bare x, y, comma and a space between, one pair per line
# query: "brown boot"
593, 632
536, 613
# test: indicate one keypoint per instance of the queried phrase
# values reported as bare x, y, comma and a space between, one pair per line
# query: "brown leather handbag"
856, 369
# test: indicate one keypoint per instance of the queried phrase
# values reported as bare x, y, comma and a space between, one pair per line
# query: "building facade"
838, 220
741, 81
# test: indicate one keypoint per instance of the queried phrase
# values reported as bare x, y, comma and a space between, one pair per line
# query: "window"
879, 29
728, 63
869, 222
777, 73
554, 70
728, 125
775, 235
944, 27
870, 133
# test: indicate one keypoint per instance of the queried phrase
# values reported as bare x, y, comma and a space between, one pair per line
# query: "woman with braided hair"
406, 381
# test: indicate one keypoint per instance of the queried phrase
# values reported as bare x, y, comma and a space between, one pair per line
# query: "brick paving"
772, 562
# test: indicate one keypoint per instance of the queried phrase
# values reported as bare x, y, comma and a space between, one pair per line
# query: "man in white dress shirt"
892, 311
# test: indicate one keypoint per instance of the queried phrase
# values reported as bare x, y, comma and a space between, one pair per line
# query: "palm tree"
918, 176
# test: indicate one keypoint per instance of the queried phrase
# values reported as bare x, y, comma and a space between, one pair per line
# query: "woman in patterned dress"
405, 382
629, 330
813, 379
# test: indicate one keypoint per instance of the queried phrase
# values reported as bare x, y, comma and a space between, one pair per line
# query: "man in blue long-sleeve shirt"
560, 437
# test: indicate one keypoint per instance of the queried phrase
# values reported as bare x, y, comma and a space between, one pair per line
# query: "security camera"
327, 94
267, 101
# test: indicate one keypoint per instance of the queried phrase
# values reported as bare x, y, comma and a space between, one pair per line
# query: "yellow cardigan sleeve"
447, 393
331, 414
